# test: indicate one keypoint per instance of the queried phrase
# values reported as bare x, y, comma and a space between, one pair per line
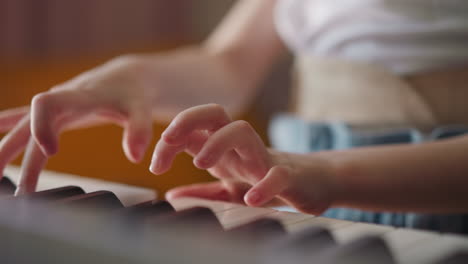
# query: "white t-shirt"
404, 36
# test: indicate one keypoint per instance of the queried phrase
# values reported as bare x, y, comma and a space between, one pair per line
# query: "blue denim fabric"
294, 135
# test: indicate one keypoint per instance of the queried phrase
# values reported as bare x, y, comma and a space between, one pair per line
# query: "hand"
114, 92
129, 91
225, 68
248, 172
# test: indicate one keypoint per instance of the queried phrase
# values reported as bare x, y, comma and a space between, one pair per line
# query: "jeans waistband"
291, 134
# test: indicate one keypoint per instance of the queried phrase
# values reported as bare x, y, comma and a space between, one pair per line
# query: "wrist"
314, 181
343, 176
322, 172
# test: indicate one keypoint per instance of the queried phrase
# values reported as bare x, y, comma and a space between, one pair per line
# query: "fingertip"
158, 166
170, 195
139, 151
153, 168
135, 149
267, 188
202, 163
179, 192
128, 152
137, 135
134, 153
207, 157
254, 198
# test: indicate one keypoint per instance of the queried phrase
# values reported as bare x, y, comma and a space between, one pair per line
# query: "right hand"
125, 91
248, 172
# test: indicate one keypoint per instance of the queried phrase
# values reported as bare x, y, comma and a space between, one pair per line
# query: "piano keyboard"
107, 222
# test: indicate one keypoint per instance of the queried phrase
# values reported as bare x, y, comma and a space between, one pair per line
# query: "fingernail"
204, 162
153, 169
254, 197
155, 165
138, 153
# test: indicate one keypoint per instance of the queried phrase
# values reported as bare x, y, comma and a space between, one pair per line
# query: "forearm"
192, 76
225, 69
431, 177
247, 39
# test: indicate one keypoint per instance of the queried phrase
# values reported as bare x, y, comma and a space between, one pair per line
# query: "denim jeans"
294, 135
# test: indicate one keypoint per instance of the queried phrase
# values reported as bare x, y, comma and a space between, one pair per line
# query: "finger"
33, 162
212, 191
9, 118
205, 117
195, 142
237, 190
275, 182
14, 142
164, 153
51, 111
163, 156
238, 136
137, 135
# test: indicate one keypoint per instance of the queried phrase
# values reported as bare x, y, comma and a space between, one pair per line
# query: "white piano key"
127, 194
402, 239
319, 222
242, 215
350, 232
431, 250
289, 218
407, 246
216, 206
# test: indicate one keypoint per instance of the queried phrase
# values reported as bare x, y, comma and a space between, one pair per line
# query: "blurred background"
45, 42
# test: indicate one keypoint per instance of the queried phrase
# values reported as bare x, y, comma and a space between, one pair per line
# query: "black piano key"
460, 257
308, 241
260, 229
154, 205
147, 209
7, 187
196, 217
137, 215
98, 200
368, 249
56, 193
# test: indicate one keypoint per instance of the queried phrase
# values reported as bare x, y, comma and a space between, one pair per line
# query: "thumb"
212, 191
137, 135
275, 182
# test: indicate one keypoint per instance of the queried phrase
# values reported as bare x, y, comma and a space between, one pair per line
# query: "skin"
428, 177
234, 153
133, 90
